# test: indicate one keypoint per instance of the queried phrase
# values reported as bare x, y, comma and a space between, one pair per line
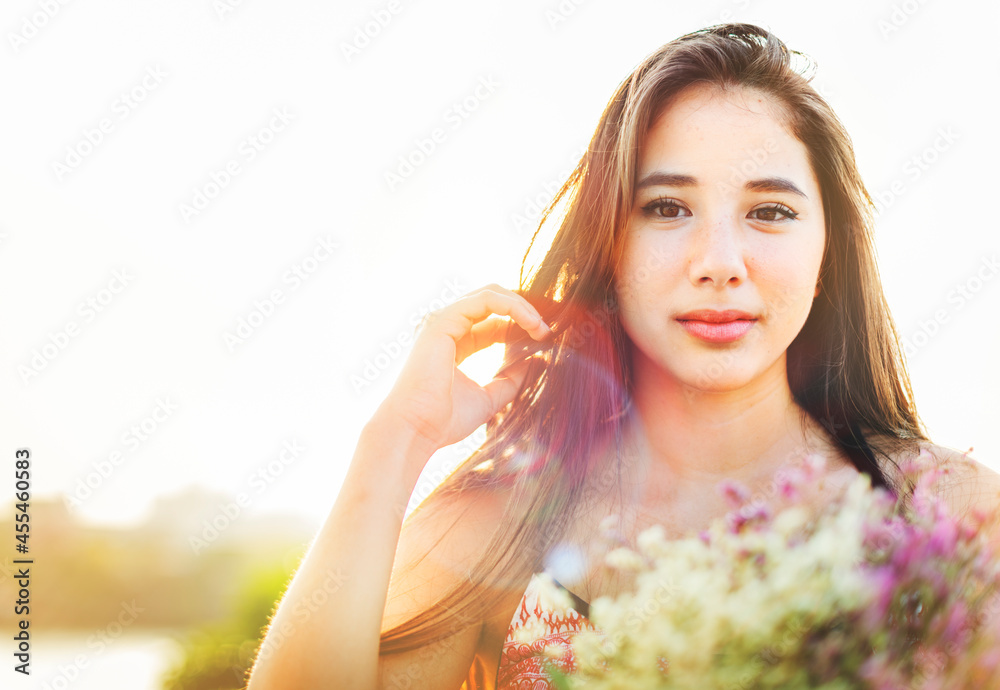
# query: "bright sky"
171, 167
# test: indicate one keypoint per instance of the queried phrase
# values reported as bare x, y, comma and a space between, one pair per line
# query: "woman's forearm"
326, 630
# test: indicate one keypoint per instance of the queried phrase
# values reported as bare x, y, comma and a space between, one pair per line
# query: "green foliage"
559, 680
219, 657
214, 659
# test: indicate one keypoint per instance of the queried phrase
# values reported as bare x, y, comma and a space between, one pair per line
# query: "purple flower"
748, 515
909, 551
735, 493
883, 582
788, 488
878, 536
944, 538
957, 627
879, 672
990, 661
813, 467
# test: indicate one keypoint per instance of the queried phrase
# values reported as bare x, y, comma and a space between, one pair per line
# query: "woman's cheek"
651, 264
793, 300
636, 275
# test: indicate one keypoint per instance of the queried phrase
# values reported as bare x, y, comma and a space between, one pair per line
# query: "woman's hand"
432, 397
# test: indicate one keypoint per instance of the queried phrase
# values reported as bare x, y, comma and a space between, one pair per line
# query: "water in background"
135, 661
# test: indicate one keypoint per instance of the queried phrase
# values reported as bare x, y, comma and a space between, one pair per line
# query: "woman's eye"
772, 212
665, 208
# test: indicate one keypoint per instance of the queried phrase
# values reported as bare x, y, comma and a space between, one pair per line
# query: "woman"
709, 309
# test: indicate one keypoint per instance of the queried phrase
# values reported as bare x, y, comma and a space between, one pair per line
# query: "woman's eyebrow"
774, 184
664, 179
765, 184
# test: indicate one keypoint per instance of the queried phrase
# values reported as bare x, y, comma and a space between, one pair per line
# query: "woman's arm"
326, 630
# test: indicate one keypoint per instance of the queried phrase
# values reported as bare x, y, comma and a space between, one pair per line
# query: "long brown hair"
845, 367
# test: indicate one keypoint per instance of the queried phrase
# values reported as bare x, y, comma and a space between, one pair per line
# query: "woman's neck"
694, 439
675, 449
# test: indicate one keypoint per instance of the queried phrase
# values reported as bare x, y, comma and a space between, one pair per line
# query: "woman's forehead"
734, 97
708, 131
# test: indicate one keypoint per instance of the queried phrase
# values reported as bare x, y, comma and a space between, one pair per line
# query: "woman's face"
727, 218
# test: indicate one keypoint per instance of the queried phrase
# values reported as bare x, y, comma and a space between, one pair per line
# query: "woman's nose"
716, 254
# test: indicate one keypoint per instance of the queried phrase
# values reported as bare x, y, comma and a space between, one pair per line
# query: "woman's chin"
720, 385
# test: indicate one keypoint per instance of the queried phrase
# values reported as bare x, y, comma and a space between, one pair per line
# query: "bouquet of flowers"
866, 594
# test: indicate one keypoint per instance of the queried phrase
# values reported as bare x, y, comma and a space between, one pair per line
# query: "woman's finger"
504, 387
458, 318
493, 330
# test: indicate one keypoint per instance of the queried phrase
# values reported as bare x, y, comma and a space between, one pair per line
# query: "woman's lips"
717, 332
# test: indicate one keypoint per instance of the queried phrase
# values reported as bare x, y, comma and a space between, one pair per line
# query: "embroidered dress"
538, 623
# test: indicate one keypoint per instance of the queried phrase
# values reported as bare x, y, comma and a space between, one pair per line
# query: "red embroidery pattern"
521, 663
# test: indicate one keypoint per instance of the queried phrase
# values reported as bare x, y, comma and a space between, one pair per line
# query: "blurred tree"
218, 657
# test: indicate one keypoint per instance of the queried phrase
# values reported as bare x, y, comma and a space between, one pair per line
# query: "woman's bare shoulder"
965, 484
486, 501
957, 465
439, 543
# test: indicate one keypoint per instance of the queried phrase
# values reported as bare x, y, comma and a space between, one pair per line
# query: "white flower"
652, 541
555, 651
529, 632
624, 559
550, 595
